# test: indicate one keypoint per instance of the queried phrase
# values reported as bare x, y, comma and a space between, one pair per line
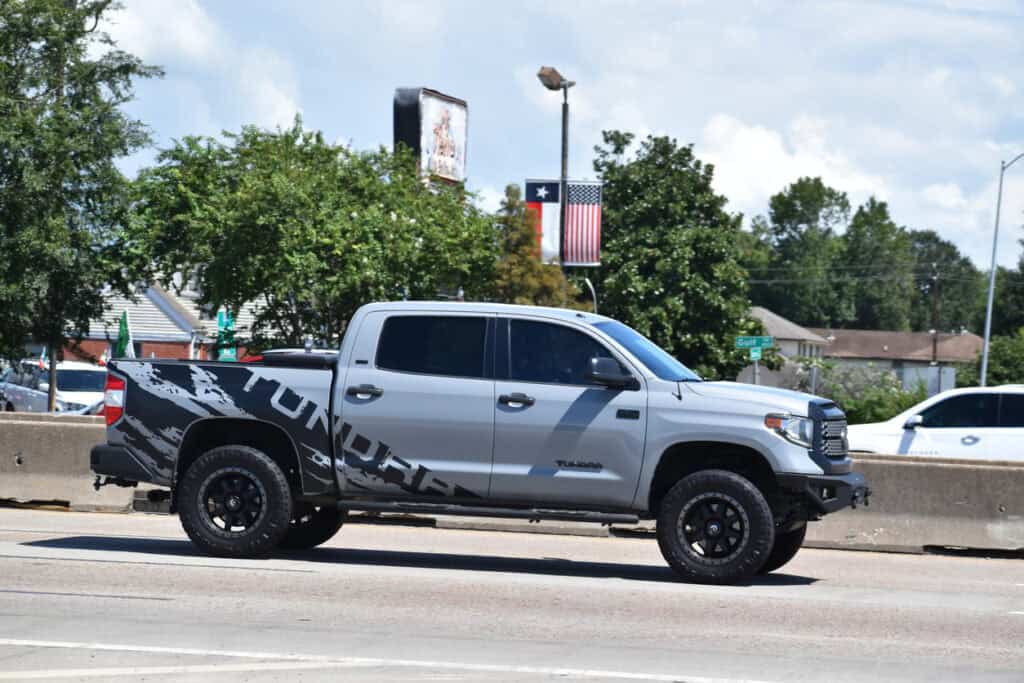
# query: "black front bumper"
118, 463
826, 493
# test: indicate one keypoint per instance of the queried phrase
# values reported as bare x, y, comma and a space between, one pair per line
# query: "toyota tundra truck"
485, 410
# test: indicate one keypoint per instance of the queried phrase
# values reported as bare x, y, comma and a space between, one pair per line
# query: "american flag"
583, 224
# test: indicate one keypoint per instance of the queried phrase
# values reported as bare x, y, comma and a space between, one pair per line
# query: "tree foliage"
794, 266
879, 268
1005, 362
62, 199
520, 276
671, 253
948, 290
303, 232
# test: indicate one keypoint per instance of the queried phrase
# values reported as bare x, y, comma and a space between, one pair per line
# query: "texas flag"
542, 197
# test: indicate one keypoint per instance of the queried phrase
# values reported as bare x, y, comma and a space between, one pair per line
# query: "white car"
26, 387
980, 423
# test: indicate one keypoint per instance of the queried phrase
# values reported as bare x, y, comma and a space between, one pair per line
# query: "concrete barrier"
917, 503
920, 503
45, 459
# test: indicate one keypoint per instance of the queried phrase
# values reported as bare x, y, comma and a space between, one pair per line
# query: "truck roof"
483, 307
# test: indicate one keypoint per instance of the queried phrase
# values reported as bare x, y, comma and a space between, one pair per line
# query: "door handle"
970, 440
516, 399
364, 391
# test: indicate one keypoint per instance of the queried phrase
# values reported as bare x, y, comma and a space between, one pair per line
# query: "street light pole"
553, 80
1003, 165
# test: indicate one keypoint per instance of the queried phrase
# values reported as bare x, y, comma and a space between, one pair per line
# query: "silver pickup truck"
484, 410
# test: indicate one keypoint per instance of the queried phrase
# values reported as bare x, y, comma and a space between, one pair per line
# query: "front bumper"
827, 493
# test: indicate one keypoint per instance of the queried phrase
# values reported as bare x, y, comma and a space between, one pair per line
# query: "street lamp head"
553, 80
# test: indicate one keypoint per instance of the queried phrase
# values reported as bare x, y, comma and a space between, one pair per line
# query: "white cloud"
167, 30
753, 162
489, 198
946, 195
269, 85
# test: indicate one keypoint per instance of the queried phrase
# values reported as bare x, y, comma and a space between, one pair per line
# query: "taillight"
113, 399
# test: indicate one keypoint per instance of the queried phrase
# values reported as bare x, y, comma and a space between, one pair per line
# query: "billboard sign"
435, 127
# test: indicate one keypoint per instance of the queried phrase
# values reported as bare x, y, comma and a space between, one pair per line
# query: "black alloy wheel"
715, 526
234, 501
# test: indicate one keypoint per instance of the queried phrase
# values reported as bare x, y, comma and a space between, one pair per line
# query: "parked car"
983, 423
26, 387
480, 409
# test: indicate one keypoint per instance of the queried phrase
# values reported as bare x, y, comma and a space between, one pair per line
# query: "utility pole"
935, 313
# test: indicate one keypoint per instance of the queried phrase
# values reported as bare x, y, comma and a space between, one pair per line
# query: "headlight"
792, 428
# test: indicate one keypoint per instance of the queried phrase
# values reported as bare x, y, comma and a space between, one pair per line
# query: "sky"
915, 102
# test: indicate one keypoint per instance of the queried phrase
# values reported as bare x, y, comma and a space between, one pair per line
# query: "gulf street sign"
755, 353
755, 342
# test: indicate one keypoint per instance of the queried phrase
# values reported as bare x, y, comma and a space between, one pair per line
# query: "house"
164, 324
791, 342
911, 355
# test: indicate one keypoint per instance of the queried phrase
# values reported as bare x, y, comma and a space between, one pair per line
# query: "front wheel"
312, 525
715, 526
785, 549
234, 501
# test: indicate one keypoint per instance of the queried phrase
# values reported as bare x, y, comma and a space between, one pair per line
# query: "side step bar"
507, 513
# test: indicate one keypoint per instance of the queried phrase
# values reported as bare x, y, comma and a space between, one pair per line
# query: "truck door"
417, 406
558, 437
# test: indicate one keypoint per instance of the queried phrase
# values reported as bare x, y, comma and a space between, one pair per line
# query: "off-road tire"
9, 408
312, 525
785, 549
694, 498
264, 487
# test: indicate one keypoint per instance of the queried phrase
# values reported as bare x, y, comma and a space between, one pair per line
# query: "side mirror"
44, 386
913, 422
608, 372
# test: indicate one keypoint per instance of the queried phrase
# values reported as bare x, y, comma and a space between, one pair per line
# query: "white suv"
26, 387
980, 423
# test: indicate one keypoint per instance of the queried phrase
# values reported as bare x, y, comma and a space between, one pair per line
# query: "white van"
26, 387
980, 423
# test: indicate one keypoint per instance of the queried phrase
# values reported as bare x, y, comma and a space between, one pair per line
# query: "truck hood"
771, 398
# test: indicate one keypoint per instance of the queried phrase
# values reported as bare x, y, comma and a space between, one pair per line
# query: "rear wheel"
715, 526
234, 501
787, 544
9, 408
312, 525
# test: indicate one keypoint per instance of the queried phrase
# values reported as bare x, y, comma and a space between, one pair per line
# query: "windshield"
657, 360
78, 380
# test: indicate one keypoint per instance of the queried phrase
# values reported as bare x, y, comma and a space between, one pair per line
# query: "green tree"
800, 281
865, 393
670, 255
62, 198
880, 266
949, 290
1005, 363
1008, 301
520, 276
303, 232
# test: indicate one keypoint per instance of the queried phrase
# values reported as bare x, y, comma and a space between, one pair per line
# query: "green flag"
125, 347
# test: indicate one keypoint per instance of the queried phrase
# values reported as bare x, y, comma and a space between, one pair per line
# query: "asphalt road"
125, 597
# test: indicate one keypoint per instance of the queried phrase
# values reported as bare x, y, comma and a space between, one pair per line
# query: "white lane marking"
324, 661
136, 671
1016, 612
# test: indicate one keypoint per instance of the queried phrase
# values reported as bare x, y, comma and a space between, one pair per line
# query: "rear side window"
1011, 412
966, 410
433, 345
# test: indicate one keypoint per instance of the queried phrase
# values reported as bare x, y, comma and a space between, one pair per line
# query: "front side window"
1011, 411
553, 354
433, 345
966, 410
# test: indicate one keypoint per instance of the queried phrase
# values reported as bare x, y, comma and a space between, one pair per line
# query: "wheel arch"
684, 458
212, 432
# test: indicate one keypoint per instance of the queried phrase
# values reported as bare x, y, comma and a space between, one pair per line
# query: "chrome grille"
833, 439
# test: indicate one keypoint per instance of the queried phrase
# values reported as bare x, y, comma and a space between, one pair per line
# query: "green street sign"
755, 353
754, 342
